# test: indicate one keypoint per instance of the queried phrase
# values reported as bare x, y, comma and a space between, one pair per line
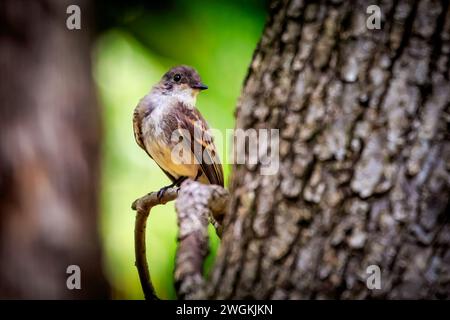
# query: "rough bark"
49, 154
365, 155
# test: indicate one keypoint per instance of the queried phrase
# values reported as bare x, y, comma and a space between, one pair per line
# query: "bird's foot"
177, 183
161, 192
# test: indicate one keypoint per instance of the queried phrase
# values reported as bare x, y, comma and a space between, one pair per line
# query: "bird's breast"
157, 129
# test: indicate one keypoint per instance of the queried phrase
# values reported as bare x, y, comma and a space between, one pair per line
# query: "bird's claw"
161, 192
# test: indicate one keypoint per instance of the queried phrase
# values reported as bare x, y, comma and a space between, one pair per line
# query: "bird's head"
182, 81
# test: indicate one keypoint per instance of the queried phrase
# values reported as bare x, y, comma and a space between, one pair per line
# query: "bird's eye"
177, 77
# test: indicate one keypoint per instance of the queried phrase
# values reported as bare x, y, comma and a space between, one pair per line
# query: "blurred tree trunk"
364, 156
49, 154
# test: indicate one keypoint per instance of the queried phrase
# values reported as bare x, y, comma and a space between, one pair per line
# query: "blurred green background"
136, 43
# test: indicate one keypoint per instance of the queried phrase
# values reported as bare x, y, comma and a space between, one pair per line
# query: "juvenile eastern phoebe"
167, 113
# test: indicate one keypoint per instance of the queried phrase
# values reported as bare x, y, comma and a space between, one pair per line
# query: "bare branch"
143, 206
195, 204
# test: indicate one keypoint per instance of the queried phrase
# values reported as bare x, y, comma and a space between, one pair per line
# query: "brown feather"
140, 112
202, 147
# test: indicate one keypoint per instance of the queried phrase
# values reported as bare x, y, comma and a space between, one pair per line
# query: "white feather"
158, 146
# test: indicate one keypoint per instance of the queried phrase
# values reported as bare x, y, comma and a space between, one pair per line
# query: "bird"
171, 130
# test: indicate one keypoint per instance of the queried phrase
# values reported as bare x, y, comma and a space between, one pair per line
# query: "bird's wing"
138, 116
202, 144
137, 127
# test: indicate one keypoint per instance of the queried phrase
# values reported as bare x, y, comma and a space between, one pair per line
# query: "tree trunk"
364, 156
49, 153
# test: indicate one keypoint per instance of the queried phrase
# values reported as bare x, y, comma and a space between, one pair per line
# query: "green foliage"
218, 39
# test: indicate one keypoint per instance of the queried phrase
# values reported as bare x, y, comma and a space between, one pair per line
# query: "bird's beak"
200, 86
